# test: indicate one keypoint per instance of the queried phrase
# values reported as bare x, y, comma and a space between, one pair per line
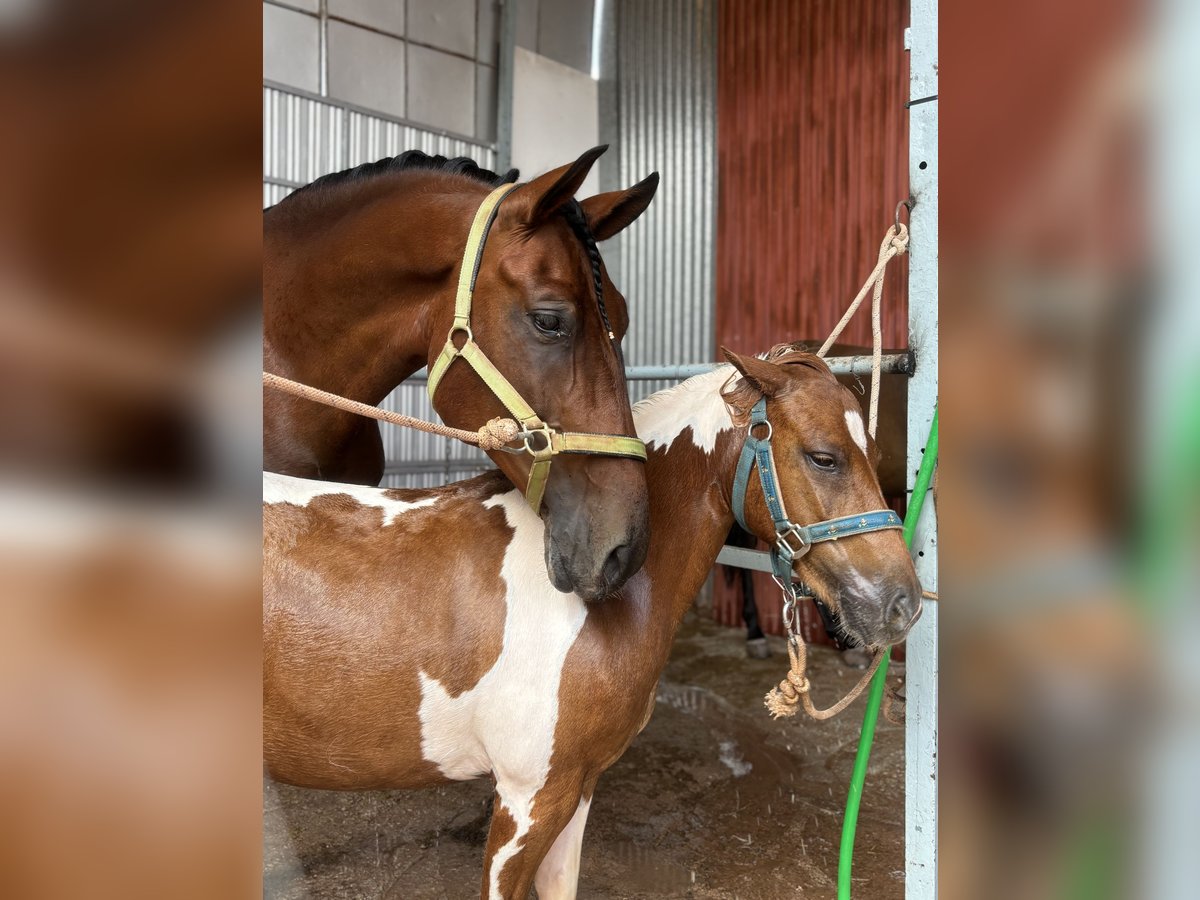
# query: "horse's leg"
558, 876
756, 641
523, 830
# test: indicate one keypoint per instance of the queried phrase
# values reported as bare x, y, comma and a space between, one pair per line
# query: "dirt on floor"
712, 800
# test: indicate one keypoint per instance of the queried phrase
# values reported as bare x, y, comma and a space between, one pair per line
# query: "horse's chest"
506, 722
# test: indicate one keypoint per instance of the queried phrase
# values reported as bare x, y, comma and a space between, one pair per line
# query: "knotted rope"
795, 690
495, 435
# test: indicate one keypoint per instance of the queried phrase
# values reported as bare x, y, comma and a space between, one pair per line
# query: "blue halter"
791, 540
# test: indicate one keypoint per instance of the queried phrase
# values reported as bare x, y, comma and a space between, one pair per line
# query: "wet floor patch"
712, 800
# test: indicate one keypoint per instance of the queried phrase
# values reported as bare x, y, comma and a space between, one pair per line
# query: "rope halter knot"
498, 434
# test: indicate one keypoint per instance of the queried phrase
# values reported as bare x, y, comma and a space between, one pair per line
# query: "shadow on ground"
712, 800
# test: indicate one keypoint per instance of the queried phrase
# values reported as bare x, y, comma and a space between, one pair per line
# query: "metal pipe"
504, 84
743, 558
426, 466
891, 364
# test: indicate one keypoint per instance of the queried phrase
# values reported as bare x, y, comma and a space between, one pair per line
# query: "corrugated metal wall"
812, 158
665, 121
305, 137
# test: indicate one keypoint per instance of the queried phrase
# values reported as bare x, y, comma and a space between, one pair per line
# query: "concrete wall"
554, 116
431, 62
560, 30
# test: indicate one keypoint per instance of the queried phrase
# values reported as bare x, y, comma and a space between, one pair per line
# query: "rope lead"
794, 690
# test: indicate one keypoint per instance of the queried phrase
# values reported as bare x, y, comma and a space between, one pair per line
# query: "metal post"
504, 84
921, 715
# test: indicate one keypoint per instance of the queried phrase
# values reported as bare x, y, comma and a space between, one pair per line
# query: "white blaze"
855, 423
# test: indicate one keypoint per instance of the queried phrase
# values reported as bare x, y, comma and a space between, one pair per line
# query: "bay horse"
411, 638
360, 271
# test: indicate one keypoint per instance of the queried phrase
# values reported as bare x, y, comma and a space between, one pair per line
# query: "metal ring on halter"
545, 433
770, 431
454, 329
909, 204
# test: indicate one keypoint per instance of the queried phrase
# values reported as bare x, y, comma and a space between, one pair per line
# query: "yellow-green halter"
539, 440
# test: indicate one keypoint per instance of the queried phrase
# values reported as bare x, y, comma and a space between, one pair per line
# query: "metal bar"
424, 466
375, 114
892, 364
741, 558
282, 182
504, 84
921, 730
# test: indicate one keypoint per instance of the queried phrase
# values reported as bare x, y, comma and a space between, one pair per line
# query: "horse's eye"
548, 324
823, 461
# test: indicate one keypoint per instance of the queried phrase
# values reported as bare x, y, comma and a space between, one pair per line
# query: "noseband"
539, 440
792, 541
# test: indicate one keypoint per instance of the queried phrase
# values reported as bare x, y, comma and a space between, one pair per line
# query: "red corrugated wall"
812, 157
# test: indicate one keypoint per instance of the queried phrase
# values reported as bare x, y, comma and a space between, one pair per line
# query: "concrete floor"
712, 800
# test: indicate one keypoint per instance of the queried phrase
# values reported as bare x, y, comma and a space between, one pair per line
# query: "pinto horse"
359, 272
891, 437
412, 638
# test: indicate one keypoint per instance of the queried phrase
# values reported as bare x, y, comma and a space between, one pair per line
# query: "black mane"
410, 160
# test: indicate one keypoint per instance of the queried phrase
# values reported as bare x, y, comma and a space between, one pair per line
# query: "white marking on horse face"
558, 875
855, 423
302, 491
505, 723
697, 403
861, 587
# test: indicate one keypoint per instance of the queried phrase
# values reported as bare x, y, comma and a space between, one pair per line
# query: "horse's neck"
356, 287
690, 488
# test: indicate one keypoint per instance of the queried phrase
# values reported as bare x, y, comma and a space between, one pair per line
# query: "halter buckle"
784, 541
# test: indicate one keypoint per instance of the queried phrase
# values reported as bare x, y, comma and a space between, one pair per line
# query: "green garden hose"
875, 695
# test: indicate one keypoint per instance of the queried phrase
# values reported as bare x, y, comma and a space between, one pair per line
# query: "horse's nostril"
902, 607
614, 566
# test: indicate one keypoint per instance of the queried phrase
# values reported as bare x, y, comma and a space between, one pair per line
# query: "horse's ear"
608, 214
543, 196
766, 376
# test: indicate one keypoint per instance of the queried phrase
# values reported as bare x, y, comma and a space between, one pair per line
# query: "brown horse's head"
826, 462
548, 317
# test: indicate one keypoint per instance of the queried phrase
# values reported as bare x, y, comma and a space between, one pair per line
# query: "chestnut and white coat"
412, 637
